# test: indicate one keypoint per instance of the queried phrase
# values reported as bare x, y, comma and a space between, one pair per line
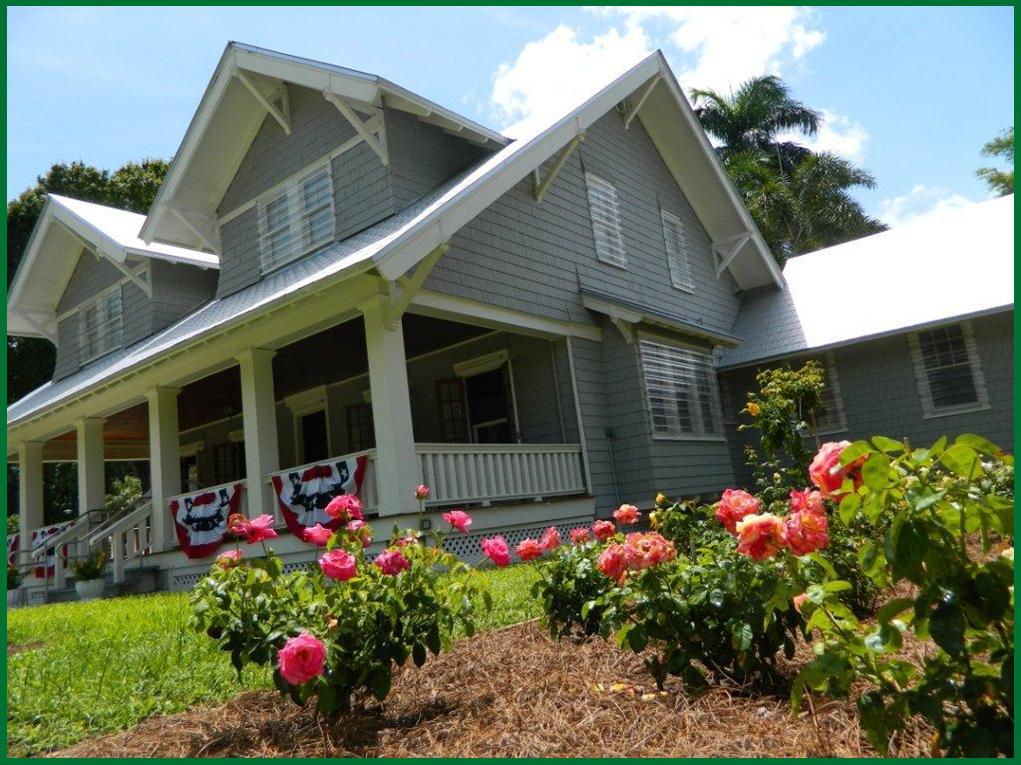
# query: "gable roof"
949, 265
64, 227
396, 244
229, 115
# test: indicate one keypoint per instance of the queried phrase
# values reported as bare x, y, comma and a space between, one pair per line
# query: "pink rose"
301, 658
409, 539
459, 520
392, 562
625, 515
421, 492
828, 474
647, 550
580, 536
529, 549
799, 601
603, 530
806, 532
734, 505
759, 536
550, 539
497, 551
317, 535
229, 559
237, 524
361, 530
260, 529
613, 562
346, 507
339, 564
807, 501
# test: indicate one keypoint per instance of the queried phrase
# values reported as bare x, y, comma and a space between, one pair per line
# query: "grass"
103, 666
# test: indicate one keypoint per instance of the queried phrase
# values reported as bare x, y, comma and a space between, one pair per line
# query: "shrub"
14, 577
91, 567
926, 507
339, 626
127, 492
567, 581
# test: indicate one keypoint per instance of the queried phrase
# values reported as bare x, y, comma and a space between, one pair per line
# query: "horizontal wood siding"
178, 290
91, 276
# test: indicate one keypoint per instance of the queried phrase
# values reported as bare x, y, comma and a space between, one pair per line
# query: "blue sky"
911, 94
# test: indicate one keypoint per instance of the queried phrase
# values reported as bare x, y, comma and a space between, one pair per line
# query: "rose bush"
342, 625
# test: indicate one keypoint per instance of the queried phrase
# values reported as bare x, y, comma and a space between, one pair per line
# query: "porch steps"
137, 581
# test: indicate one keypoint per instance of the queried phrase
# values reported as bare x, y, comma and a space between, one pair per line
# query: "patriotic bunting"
39, 537
200, 519
303, 495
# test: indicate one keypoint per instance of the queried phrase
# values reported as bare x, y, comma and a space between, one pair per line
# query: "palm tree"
751, 118
1000, 181
807, 208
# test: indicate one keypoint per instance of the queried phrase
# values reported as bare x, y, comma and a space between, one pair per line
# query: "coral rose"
497, 551
317, 535
625, 515
459, 520
799, 601
345, 507
647, 550
828, 474
236, 524
806, 532
339, 564
230, 558
613, 562
421, 492
603, 530
807, 501
302, 658
392, 562
580, 536
529, 549
734, 505
759, 536
661, 500
550, 539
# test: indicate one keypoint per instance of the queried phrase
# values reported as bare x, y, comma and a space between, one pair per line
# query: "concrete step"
137, 581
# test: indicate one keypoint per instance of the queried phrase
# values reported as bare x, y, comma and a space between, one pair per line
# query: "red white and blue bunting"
200, 519
303, 495
39, 537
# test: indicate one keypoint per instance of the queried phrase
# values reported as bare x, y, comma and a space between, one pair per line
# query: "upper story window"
682, 391
947, 367
101, 325
677, 252
297, 218
605, 212
829, 418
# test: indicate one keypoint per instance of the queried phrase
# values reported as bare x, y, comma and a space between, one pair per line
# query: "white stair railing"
130, 537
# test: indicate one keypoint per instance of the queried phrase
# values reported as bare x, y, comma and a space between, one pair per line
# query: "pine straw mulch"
513, 692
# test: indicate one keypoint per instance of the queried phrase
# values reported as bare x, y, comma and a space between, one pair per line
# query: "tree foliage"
1000, 181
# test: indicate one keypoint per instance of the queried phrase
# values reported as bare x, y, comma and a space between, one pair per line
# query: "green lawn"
106, 665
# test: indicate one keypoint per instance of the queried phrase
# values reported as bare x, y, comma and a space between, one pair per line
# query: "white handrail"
206, 489
123, 523
65, 535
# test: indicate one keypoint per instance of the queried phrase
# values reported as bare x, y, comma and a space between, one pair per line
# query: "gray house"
343, 286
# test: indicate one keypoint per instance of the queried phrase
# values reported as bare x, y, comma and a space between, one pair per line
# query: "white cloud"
557, 72
837, 134
708, 47
918, 203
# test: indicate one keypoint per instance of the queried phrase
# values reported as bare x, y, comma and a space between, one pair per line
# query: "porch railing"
130, 537
472, 473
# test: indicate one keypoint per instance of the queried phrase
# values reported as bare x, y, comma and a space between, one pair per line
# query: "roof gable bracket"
406, 287
540, 187
204, 230
45, 328
356, 122
114, 255
283, 115
134, 278
727, 249
633, 111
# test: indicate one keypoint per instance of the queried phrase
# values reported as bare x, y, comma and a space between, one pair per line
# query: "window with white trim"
829, 417
101, 325
605, 213
947, 367
297, 218
677, 254
682, 391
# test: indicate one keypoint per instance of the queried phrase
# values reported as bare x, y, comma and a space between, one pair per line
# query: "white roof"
950, 264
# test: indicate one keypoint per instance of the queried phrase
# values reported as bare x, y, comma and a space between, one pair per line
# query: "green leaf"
379, 682
418, 654
962, 460
854, 451
894, 607
876, 471
848, 508
887, 445
979, 443
742, 634
716, 597
947, 625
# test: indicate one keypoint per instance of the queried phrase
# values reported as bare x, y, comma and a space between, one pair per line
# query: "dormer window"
296, 218
101, 324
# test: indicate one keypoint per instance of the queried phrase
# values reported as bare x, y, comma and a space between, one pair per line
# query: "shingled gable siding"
534, 257
91, 276
178, 290
880, 395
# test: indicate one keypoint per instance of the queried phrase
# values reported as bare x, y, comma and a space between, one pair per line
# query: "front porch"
486, 416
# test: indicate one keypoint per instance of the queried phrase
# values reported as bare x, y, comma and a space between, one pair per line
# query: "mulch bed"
512, 692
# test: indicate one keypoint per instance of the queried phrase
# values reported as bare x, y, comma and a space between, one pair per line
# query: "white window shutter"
677, 252
606, 222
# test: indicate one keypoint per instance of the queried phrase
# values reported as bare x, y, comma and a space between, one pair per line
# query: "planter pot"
90, 589
15, 598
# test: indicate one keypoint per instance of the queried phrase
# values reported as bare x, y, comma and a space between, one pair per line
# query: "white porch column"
164, 461
397, 469
258, 405
91, 470
30, 493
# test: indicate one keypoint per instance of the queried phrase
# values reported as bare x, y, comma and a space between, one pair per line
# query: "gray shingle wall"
68, 357
138, 314
595, 412
879, 391
178, 289
534, 257
239, 253
91, 276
